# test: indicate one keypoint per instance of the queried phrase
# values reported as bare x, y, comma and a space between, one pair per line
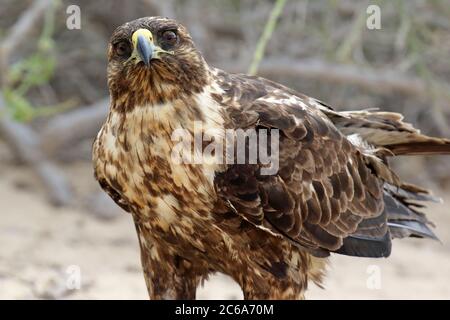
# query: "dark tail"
401, 216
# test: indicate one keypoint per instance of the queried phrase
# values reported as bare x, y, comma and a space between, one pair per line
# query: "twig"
353, 37
267, 33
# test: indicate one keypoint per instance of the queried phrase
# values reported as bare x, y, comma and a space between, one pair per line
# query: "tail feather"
441, 146
387, 130
387, 135
399, 219
399, 211
405, 228
411, 192
403, 218
367, 247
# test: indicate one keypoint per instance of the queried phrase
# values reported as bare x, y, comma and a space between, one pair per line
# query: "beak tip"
144, 49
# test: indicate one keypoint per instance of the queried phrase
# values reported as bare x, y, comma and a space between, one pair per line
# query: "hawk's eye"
169, 38
122, 49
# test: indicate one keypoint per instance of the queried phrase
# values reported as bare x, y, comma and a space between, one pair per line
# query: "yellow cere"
141, 32
146, 34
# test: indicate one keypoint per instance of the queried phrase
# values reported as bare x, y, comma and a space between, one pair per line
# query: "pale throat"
149, 132
180, 112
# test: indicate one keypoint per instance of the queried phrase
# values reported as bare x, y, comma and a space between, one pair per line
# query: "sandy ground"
46, 252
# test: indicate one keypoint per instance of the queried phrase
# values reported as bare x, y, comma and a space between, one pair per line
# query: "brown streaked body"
334, 191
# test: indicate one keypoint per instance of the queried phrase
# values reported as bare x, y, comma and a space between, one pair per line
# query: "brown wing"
324, 187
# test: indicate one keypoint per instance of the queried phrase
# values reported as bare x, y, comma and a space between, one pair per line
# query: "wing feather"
339, 194
323, 189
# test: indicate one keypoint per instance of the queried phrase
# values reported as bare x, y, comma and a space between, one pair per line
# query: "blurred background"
62, 238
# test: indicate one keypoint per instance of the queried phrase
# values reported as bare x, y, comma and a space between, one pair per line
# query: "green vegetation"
265, 37
31, 72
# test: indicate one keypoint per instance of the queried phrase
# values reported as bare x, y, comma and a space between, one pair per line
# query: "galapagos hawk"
333, 190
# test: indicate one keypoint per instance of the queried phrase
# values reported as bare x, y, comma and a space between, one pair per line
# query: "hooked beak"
144, 49
143, 46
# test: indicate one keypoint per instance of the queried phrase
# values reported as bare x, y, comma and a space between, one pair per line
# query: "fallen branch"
381, 81
24, 142
72, 127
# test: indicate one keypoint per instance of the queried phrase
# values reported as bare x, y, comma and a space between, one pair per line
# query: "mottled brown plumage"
333, 192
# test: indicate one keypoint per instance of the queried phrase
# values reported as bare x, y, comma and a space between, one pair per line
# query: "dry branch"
25, 144
22, 139
72, 127
380, 81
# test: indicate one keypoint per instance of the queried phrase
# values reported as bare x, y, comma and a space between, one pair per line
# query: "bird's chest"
134, 154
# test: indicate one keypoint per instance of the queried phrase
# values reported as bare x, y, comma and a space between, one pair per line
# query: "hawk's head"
153, 60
